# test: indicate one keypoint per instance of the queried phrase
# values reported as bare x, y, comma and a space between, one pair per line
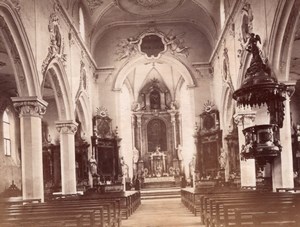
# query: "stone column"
67, 131
30, 111
282, 168
244, 120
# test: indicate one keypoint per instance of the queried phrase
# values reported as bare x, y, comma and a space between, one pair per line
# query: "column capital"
29, 106
244, 118
66, 127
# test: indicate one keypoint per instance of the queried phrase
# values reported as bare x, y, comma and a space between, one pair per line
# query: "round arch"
179, 66
26, 74
283, 31
59, 82
227, 108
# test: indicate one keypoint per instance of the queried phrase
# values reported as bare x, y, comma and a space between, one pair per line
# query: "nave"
162, 212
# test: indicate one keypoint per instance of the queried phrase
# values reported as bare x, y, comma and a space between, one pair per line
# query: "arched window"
81, 24
6, 133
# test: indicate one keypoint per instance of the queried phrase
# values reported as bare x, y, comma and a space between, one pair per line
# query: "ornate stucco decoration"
15, 3
94, 4
226, 70
148, 7
152, 43
83, 80
150, 3
246, 27
56, 48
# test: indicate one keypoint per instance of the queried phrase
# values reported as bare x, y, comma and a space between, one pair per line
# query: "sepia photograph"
149, 113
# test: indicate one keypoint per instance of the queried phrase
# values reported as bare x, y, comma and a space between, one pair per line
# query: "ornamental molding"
56, 48
94, 4
14, 3
66, 127
148, 7
227, 80
29, 106
83, 83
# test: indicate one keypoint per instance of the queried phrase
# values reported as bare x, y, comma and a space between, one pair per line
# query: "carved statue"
135, 155
179, 152
175, 43
93, 166
136, 106
157, 151
223, 158
126, 48
124, 167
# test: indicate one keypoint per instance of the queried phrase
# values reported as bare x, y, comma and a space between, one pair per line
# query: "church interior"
110, 108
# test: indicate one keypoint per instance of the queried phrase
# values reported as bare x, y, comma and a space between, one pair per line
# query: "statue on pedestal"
93, 166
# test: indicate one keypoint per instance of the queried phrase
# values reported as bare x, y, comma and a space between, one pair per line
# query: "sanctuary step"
160, 193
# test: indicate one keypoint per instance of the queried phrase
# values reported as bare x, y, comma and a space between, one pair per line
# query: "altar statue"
93, 166
124, 167
157, 151
135, 155
179, 152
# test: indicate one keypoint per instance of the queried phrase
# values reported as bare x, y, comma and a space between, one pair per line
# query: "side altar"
105, 163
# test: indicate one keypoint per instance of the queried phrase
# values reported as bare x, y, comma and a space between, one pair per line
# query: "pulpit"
158, 163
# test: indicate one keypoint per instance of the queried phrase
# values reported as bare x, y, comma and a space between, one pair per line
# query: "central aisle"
162, 212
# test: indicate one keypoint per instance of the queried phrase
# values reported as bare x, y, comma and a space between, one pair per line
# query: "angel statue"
126, 48
176, 44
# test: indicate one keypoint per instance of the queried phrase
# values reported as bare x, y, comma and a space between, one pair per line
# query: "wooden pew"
221, 208
69, 219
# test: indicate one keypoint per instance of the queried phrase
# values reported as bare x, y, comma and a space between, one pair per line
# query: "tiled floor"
162, 212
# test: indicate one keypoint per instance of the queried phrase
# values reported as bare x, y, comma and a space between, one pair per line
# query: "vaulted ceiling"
204, 15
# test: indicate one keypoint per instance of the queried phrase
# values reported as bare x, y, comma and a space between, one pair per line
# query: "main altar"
156, 127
